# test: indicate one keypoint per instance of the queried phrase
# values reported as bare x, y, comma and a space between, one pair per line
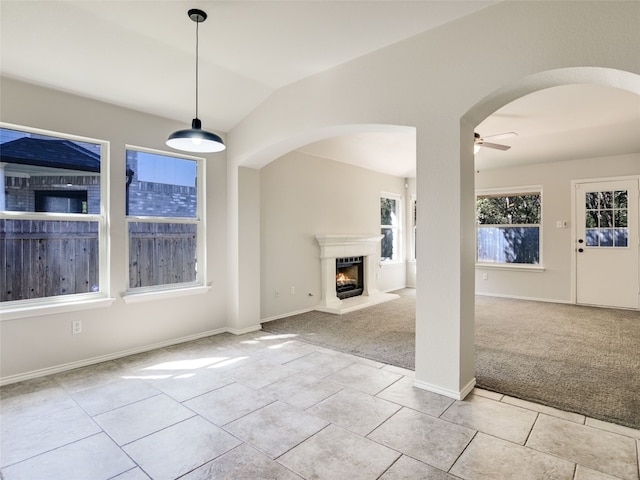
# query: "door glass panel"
591, 201
592, 237
606, 237
620, 199
621, 237
606, 219
606, 199
621, 218
591, 219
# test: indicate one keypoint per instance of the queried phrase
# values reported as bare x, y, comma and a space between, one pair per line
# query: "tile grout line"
200, 466
387, 469
277, 459
531, 429
63, 446
398, 451
462, 452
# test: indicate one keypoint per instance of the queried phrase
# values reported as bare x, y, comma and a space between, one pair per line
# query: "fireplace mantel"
337, 246
340, 246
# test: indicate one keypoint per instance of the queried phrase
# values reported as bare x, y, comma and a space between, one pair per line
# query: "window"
164, 205
53, 229
414, 222
606, 219
508, 227
390, 227
61, 201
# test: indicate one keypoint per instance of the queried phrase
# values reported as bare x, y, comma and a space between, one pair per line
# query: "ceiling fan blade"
498, 136
496, 146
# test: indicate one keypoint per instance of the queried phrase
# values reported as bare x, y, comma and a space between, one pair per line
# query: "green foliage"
387, 207
509, 209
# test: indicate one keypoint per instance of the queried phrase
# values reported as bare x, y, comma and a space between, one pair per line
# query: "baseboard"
242, 331
285, 315
457, 395
113, 356
520, 297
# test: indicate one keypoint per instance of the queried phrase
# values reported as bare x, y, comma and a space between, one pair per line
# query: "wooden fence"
161, 253
47, 258
51, 258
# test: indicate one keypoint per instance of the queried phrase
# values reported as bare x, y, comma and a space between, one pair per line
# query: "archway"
609, 78
245, 304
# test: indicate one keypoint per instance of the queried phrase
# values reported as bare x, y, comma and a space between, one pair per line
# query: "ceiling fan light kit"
480, 142
195, 139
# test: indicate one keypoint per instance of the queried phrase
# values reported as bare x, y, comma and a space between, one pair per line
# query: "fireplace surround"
333, 247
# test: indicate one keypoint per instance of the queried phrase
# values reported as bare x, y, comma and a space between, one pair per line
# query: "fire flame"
342, 278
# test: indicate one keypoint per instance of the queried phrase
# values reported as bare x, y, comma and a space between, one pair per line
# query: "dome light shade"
195, 139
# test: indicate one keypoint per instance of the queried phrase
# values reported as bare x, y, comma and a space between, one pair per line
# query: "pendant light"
195, 139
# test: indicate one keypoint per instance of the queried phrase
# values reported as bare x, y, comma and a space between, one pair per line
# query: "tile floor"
263, 406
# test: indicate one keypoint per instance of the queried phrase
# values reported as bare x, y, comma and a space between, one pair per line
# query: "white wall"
303, 196
554, 283
40, 342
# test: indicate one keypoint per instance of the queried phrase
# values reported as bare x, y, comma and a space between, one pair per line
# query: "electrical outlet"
276, 293
76, 327
485, 276
293, 290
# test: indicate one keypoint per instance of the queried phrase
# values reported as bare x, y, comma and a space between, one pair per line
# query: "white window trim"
135, 295
148, 294
72, 302
398, 198
521, 190
412, 222
524, 267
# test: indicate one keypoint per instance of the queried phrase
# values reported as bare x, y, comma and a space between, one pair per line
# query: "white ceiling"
563, 123
141, 55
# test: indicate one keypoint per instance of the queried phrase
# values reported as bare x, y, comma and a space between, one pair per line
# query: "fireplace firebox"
349, 277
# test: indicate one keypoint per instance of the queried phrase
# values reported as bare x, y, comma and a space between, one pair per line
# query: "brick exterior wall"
20, 192
162, 200
159, 199
145, 198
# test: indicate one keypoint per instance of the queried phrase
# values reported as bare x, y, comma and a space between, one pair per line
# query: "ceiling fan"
481, 141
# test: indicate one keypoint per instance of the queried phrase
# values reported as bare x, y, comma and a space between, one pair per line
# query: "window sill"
139, 296
389, 264
52, 307
516, 267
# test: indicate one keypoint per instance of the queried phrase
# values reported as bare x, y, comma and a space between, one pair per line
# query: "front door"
607, 243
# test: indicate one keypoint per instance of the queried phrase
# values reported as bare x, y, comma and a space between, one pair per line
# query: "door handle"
581, 250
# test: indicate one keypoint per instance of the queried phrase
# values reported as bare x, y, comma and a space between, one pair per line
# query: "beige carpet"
580, 359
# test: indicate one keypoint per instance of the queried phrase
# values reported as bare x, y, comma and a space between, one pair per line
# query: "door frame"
574, 248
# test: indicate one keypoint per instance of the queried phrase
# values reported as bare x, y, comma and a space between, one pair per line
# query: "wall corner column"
445, 304
243, 238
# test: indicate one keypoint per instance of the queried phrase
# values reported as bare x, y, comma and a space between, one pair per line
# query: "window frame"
514, 191
398, 231
413, 221
74, 301
200, 285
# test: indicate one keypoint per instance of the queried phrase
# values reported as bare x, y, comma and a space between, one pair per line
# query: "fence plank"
50, 258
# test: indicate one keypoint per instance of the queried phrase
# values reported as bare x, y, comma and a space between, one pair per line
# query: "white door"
607, 243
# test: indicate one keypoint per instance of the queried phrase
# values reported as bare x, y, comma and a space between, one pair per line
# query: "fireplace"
349, 277
357, 257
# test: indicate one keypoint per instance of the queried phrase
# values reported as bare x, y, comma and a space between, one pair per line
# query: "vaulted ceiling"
141, 55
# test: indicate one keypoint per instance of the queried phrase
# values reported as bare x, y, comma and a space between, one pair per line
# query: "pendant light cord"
197, 25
